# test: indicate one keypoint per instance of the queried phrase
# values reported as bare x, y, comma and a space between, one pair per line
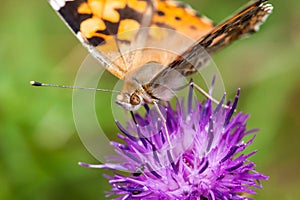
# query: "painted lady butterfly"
130, 38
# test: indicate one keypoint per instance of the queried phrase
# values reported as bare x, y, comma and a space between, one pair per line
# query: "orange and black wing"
239, 25
125, 34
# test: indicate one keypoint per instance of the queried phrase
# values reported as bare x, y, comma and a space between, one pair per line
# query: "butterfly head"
131, 101
136, 89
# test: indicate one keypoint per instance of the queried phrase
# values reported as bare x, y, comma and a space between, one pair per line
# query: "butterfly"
152, 44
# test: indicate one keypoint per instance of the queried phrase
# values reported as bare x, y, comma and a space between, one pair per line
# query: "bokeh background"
39, 146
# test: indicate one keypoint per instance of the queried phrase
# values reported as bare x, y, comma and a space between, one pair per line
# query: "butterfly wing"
125, 34
97, 23
173, 29
239, 25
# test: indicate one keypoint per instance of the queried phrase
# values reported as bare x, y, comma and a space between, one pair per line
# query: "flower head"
205, 160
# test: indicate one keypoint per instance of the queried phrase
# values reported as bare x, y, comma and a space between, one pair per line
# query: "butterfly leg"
164, 122
162, 117
203, 92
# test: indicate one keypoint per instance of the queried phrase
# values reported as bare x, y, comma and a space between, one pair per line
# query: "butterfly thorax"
137, 88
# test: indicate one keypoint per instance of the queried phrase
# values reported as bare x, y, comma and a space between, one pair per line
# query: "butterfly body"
153, 44
136, 90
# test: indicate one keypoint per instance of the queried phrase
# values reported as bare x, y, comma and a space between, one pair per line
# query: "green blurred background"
39, 146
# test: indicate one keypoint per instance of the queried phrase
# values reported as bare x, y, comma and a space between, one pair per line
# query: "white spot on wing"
57, 4
268, 8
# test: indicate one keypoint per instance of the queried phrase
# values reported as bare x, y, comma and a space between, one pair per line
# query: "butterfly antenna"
39, 84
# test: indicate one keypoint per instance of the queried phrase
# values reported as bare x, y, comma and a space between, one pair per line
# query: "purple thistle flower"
206, 160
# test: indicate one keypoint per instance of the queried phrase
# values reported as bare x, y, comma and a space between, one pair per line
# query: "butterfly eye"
135, 99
